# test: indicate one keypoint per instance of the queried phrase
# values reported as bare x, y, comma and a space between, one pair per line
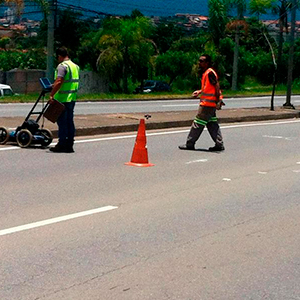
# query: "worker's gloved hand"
196, 93
51, 100
220, 104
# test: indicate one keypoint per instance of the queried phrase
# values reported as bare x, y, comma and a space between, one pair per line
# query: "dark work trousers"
66, 127
206, 116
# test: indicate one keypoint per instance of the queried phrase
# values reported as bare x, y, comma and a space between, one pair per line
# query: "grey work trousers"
206, 116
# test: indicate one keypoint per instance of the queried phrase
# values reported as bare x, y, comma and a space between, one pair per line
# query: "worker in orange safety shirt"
210, 101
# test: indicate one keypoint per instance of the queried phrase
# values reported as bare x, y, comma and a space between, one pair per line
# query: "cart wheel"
48, 137
24, 138
4, 135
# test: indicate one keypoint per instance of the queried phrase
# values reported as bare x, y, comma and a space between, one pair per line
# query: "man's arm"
56, 86
214, 81
61, 73
196, 93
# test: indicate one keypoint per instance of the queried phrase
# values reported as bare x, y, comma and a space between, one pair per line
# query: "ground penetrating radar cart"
30, 132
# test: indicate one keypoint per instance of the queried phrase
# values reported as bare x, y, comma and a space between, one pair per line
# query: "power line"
81, 9
170, 6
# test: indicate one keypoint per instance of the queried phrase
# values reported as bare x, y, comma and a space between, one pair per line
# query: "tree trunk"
125, 71
291, 57
50, 41
235, 61
282, 24
280, 46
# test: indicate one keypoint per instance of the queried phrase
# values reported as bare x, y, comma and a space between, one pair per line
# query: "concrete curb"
117, 128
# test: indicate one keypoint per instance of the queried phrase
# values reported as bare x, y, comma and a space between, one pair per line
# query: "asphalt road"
197, 225
22, 109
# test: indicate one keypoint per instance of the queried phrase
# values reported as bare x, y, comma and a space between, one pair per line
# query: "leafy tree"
70, 30
190, 44
175, 63
254, 39
88, 52
123, 43
260, 66
135, 14
296, 60
165, 34
11, 59
4, 42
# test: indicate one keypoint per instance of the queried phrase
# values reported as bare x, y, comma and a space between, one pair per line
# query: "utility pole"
288, 104
50, 40
240, 16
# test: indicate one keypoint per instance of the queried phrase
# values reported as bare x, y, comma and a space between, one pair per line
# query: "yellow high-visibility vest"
68, 90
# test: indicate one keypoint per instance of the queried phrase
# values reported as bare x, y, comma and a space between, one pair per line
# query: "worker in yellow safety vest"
64, 90
210, 100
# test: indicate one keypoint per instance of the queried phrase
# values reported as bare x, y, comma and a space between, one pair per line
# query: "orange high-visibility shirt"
208, 94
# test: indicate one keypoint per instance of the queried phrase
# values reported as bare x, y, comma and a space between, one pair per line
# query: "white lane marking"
9, 148
170, 105
118, 103
273, 136
298, 163
226, 179
296, 171
106, 139
263, 173
260, 124
56, 220
177, 132
196, 161
185, 130
277, 137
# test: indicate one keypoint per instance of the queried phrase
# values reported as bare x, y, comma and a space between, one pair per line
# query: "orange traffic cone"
139, 156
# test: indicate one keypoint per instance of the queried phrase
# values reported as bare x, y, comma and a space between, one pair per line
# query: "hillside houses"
10, 24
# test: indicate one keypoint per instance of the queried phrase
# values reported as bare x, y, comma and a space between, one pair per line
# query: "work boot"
58, 148
186, 147
69, 146
217, 148
69, 149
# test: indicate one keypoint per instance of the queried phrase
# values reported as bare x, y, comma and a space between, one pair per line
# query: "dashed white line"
56, 220
173, 105
273, 136
278, 137
196, 161
226, 179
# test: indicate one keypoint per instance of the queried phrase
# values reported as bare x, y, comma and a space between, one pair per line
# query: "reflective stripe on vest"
208, 94
69, 88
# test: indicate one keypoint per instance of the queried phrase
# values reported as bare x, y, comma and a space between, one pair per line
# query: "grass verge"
245, 91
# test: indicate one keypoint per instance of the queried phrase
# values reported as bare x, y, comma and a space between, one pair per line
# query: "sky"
123, 7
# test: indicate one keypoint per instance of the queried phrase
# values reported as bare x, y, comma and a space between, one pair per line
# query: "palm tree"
124, 45
281, 9
240, 5
43, 4
260, 7
218, 10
